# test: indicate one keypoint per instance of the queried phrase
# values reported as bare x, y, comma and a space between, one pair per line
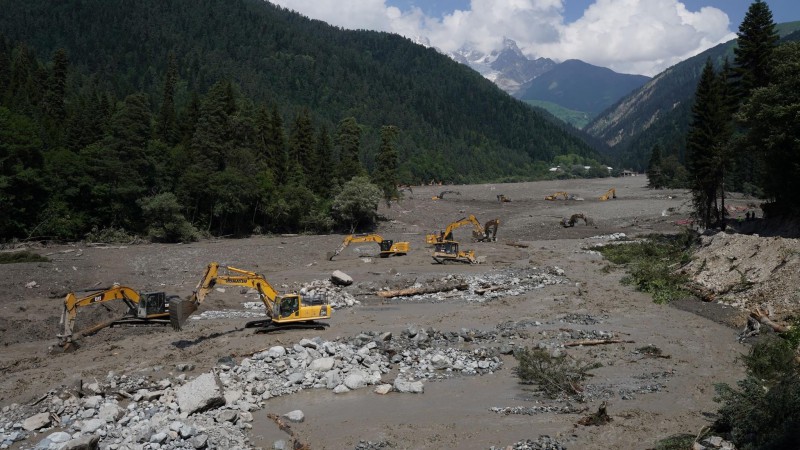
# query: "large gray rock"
340, 278
276, 352
406, 386
295, 416
321, 364
36, 421
355, 380
59, 437
90, 426
199, 441
89, 442
110, 412
201, 394
441, 362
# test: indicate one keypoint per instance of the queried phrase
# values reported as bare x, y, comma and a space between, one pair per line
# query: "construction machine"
611, 193
568, 223
447, 251
144, 308
283, 311
388, 247
441, 195
556, 195
479, 233
502, 198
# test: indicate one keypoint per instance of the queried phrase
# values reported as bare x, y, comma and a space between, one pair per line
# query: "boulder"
88, 442
110, 412
201, 394
383, 389
295, 416
90, 426
321, 364
407, 386
36, 421
355, 380
340, 278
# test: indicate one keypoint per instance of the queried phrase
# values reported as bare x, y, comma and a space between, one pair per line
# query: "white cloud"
630, 36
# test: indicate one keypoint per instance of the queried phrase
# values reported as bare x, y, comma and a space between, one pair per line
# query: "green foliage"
655, 176
578, 119
166, 222
385, 175
650, 264
554, 375
356, 206
676, 442
764, 411
110, 235
770, 116
23, 256
757, 39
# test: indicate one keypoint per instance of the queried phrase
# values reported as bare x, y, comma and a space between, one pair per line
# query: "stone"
322, 364
407, 386
59, 437
383, 389
276, 352
340, 278
158, 438
90, 426
89, 442
340, 389
227, 415
280, 444
199, 441
355, 381
201, 394
295, 416
110, 412
441, 362
36, 421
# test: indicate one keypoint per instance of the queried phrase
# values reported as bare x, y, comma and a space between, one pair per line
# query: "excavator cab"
386, 247
447, 251
151, 303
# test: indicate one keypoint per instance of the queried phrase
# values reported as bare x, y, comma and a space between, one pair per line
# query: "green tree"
707, 148
302, 150
323, 175
348, 144
773, 131
356, 206
385, 176
165, 220
167, 125
54, 98
654, 176
757, 39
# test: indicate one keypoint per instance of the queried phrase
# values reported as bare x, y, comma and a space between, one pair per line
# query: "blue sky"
628, 36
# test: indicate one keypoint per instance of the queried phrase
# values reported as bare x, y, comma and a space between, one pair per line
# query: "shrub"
554, 375
23, 256
764, 412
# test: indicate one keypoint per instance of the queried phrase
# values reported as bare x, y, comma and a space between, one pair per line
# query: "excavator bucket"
179, 311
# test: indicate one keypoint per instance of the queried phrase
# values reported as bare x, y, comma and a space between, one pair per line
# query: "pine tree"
167, 125
707, 148
757, 40
773, 134
348, 144
385, 176
654, 174
302, 150
325, 165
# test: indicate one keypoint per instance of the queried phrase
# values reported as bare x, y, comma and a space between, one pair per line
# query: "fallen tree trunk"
481, 291
763, 317
422, 290
596, 342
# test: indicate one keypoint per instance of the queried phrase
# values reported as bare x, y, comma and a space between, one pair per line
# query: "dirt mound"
749, 271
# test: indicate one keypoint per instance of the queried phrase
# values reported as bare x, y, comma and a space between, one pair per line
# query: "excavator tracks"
267, 325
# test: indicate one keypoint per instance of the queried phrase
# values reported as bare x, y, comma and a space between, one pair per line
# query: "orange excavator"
479, 232
283, 311
388, 247
145, 308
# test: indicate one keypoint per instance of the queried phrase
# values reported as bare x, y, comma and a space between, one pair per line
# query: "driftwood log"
423, 290
763, 317
286, 428
587, 342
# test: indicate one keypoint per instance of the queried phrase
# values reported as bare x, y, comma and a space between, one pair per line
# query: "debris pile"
214, 409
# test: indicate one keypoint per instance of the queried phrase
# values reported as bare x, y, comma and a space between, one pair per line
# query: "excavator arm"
388, 247
611, 193
479, 233
73, 302
280, 309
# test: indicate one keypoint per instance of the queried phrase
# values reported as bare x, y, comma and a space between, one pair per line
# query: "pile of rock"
214, 409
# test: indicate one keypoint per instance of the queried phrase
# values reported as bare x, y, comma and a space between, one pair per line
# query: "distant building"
628, 173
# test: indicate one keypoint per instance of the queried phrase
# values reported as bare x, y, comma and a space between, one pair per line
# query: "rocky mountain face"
508, 67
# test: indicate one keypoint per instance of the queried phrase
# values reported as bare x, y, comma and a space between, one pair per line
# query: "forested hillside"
245, 112
659, 112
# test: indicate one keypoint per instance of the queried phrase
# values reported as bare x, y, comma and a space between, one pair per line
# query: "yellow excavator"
556, 195
283, 311
441, 195
388, 247
447, 251
611, 193
145, 308
479, 232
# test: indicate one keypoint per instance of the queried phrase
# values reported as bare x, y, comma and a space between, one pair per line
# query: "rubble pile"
492, 285
536, 409
748, 271
214, 409
542, 443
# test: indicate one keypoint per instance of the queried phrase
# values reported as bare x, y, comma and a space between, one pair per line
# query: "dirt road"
648, 398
